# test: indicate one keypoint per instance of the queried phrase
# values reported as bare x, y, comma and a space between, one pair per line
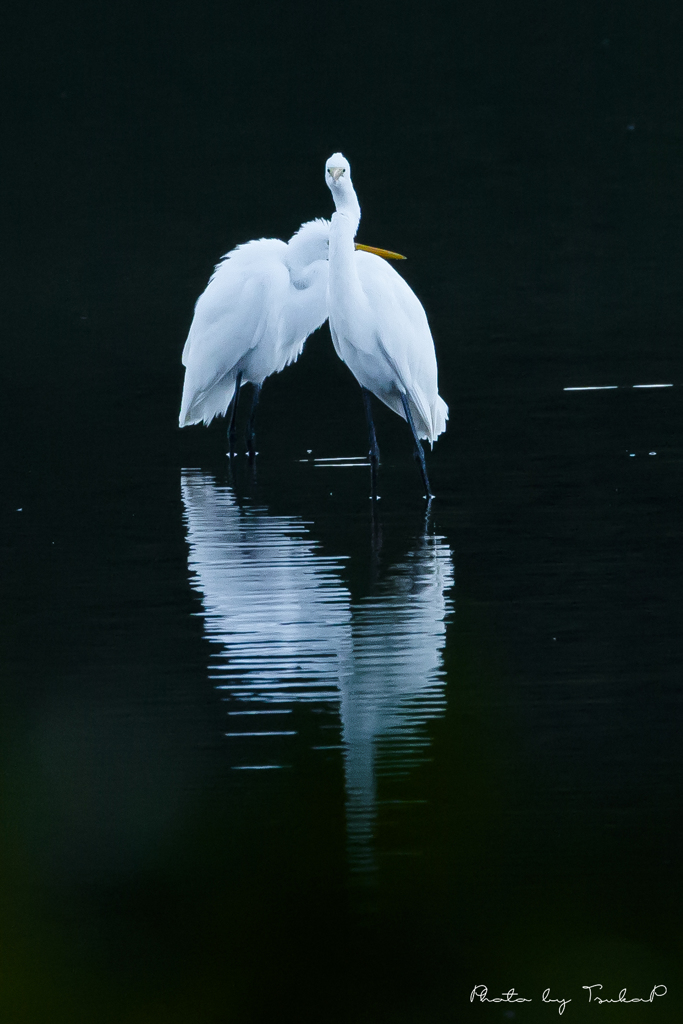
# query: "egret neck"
343, 277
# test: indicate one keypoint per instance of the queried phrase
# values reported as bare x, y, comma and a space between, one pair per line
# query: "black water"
268, 755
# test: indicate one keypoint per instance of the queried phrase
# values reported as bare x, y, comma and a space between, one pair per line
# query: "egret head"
338, 178
338, 174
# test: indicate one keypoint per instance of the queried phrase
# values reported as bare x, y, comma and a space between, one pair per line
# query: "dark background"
527, 158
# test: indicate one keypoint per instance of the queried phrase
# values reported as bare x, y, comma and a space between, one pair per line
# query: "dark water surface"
266, 751
268, 755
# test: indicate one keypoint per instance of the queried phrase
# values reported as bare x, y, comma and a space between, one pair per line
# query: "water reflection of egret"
394, 684
285, 631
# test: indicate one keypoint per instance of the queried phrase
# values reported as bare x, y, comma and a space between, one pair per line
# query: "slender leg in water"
233, 417
419, 453
375, 540
374, 447
251, 437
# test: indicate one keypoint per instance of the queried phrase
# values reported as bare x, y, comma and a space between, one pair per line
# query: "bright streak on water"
254, 686
342, 458
613, 387
268, 711
285, 630
285, 733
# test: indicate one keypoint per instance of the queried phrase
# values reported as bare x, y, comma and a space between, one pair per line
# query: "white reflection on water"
613, 387
393, 684
285, 631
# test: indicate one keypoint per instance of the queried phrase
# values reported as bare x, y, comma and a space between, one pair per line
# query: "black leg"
418, 447
373, 454
252, 419
233, 418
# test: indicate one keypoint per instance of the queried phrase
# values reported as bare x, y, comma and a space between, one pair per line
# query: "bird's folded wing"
238, 309
401, 319
404, 337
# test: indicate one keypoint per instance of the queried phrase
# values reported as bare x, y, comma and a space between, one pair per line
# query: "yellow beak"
386, 254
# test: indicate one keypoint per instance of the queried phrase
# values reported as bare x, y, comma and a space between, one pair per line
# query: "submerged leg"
374, 447
418, 447
375, 540
251, 437
233, 417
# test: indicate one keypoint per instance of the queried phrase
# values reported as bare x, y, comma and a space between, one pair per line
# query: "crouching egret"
379, 327
263, 300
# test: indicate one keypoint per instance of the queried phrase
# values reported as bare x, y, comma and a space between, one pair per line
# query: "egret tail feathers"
429, 418
439, 417
202, 405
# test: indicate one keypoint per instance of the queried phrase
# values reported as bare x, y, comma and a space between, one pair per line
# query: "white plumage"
389, 348
262, 302
378, 325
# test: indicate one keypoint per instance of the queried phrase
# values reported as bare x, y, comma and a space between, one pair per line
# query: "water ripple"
285, 632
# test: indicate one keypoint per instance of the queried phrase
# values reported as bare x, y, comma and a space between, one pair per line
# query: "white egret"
379, 327
263, 300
